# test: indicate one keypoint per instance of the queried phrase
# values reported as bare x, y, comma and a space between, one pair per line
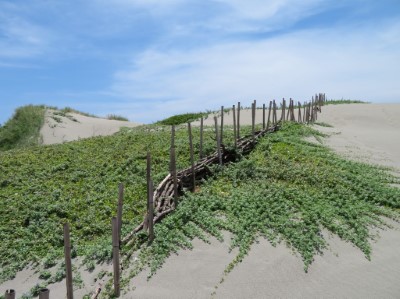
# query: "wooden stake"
269, 114
217, 138
283, 109
222, 125
263, 116
115, 245
234, 126
151, 213
275, 117
238, 121
44, 294
253, 114
192, 155
312, 110
299, 113
68, 265
304, 112
173, 136
173, 174
9, 294
119, 211
148, 177
201, 138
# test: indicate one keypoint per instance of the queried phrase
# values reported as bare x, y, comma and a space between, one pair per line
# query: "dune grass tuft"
22, 129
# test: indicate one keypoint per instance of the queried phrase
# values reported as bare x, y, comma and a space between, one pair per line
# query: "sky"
147, 59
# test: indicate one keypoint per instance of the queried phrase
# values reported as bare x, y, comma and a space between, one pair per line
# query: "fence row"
164, 199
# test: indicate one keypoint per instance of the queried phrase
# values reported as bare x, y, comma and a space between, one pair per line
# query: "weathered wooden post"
192, 156
283, 109
9, 294
218, 140
253, 114
304, 112
44, 294
263, 116
312, 110
115, 250
148, 178
173, 174
120, 205
222, 125
238, 121
151, 212
269, 114
234, 126
299, 113
275, 116
172, 136
68, 265
201, 138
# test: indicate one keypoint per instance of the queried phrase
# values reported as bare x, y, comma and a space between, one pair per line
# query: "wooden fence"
164, 199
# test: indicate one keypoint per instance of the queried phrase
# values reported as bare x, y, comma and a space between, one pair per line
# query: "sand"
368, 133
59, 129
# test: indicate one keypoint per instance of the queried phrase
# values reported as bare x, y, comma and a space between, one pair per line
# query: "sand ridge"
60, 128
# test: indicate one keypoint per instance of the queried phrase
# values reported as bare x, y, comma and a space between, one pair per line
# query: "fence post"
222, 125
234, 126
263, 116
115, 245
269, 114
148, 177
119, 212
201, 138
191, 156
299, 113
304, 112
275, 117
44, 294
173, 136
173, 174
68, 265
217, 138
288, 110
151, 212
283, 110
253, 116
238, 121
9, 294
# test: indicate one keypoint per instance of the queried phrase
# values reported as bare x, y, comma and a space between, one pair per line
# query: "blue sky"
148, 59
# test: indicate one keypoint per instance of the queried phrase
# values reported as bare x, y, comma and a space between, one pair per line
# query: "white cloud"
20, 38
357, 64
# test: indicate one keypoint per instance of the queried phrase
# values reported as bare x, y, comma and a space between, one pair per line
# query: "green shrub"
23, 128
116, 117
181, 118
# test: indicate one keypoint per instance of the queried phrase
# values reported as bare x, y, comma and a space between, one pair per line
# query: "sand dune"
58, 128
367, 132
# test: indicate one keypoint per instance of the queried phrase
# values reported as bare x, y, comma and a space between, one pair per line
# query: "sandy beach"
366, 132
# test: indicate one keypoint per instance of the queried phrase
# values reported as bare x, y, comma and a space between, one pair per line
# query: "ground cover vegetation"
182, 118
43, 187
287, 190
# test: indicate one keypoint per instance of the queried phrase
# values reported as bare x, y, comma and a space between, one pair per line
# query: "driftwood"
164, 193
96, 293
